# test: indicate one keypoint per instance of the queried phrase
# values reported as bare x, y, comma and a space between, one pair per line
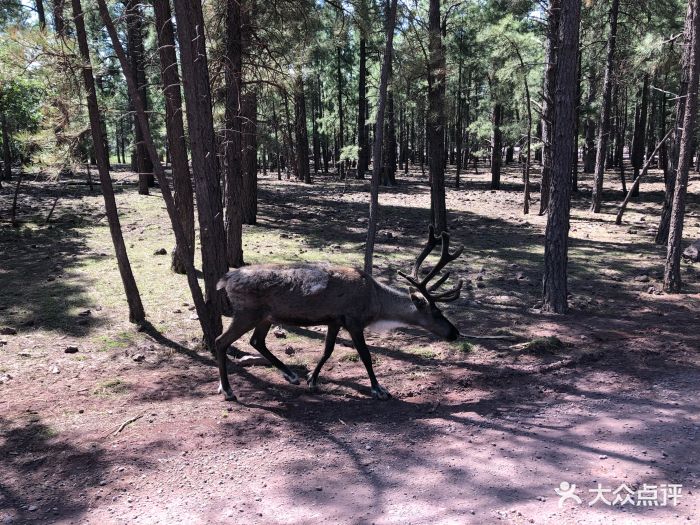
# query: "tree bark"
378, 136
249, 157
195, 75
496, 145
233, 138
639, 139
59, 20
363, 157
133, 297
341, 121
41, 14
6, 149
301, 132
175, 130
604, 125
672, 270
557, 232
548, 101
436, 117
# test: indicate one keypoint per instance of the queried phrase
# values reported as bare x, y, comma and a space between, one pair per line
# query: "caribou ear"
417, 298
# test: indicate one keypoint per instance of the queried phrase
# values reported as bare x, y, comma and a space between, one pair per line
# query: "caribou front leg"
358, 339
240, 324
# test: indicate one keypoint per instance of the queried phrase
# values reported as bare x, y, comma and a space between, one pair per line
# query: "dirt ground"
129, 429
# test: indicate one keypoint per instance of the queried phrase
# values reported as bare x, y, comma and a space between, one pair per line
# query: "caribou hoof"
379, 392
313, 385
228, 394
292, 378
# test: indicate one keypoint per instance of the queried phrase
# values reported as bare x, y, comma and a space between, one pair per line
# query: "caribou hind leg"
331, 336
257, 341
241, 323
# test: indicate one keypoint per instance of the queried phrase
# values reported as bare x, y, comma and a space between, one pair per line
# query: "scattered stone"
177, 311
284, 235
642, 279
71, 349
252, 360
651, 290
160, 251
520, 276
289, 350
194, 317
84, 313
33, 508
3, 343
279, 332
479, 277
602, 456
55, 370
5, 378
632, 230
319, 489
692, 252
138, 357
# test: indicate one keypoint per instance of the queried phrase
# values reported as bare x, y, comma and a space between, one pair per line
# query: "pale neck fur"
395, 305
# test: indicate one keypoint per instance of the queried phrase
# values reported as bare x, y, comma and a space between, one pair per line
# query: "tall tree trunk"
300, 129
249, 156
59, 20
207, 321
458, 124
640, 128
133, 298
41, 14
315, 137
6, 150
292, 163
672, 270
363, 157
436, 117
589, 150
175, 130
134, 17
496, 145
604, 125
548, 101
341, 121
390, 142
233, 138
195, 76
557, 233
378, 135
277, 141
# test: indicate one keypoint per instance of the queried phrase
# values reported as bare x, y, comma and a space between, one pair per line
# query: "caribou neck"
395, 305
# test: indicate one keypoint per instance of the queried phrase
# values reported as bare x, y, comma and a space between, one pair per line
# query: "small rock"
651, 290
479, 277
632, 230
279, 332
252, 360
368, 447
642, 279
319, 489
160, 251
71, 349
138, 357
55, 370
6, 330
33, 508
5, 378
177, 311
289, 350
84, 313
3, 343
602, 456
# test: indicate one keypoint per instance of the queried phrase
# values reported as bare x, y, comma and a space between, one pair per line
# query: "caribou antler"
423, 286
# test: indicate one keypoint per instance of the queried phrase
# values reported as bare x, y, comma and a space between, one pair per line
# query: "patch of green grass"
543, 345
464, 346
79, 357
350, 356
111, 387
116, 342
427, 353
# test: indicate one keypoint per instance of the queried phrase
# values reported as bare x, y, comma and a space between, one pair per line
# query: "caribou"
336, 296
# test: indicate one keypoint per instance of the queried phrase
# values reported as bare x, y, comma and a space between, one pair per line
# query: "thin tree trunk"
458, 124
175, 130
555, 288
133, 297
233, 135
341, 123
195, 76
604, 126
548, 101
41, 14
59, 21
496, 145
363, 156
436, 117
640, 128
378, 136
249, 155
6, 151
672, 270
300, 130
